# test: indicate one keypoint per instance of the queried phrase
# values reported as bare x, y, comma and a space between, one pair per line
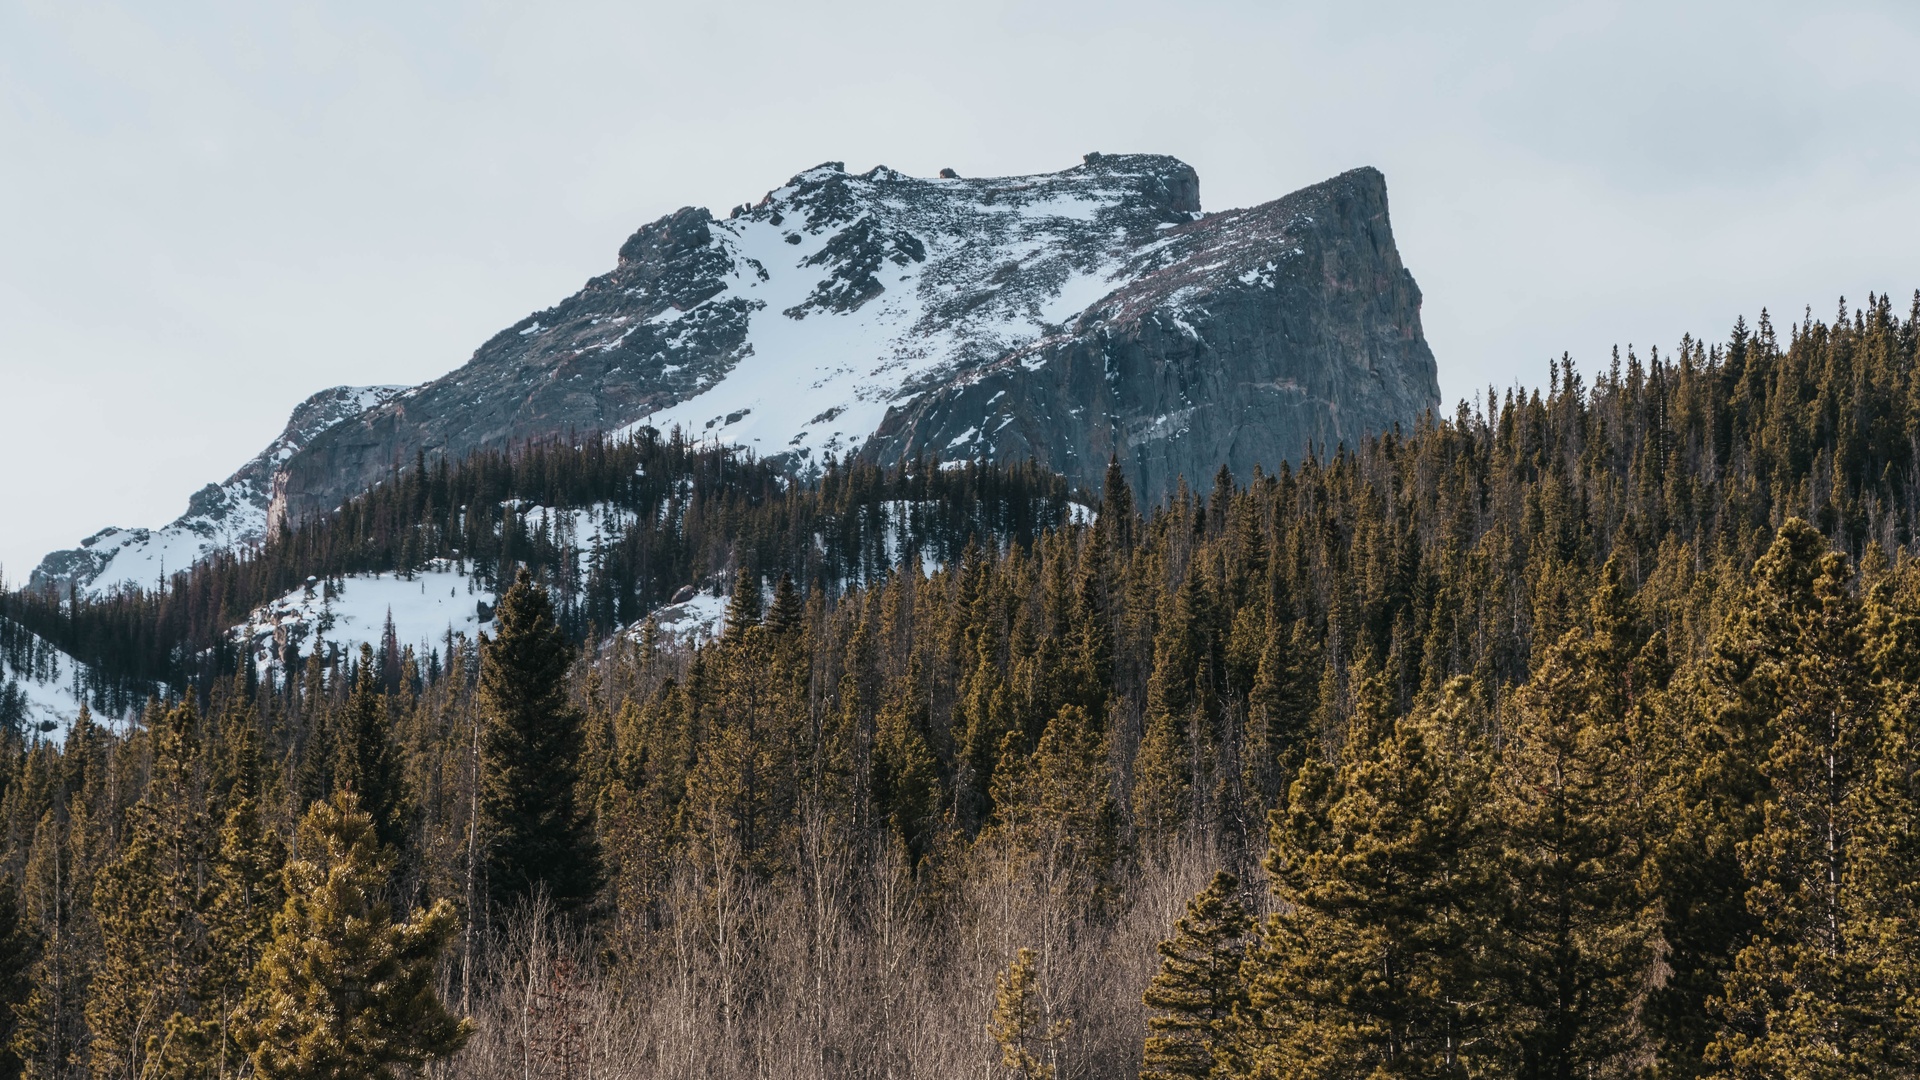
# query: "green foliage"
343, 990
536, 836
1020, 1023
16, 955
1573, 750
365, 762
1369, 968
1200, 986
1567, 811
148, 902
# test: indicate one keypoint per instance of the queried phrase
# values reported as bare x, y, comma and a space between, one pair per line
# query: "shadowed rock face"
1241, 339
1066, 316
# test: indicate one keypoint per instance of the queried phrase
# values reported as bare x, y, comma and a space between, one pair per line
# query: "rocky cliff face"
1243, 338
1067, 315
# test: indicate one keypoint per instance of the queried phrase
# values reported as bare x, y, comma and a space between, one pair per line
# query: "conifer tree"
1885, 903
743, 607
148, 903
1798, 1000
52, 1027
342, 990
243, 895
1199, 986
906, 782
1566, 807
17, 949
1367, 969
745, 785
535, 834
1164, 769
314, 778
1116, 506
1019, 1021
785, 616
365, 760
1719, 712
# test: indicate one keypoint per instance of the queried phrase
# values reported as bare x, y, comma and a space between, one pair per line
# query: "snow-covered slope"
41, 688
219, 517
348, 612
1067, 317
928, 278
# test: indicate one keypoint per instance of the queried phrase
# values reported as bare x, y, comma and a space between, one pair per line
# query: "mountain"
220, 516
1066, 316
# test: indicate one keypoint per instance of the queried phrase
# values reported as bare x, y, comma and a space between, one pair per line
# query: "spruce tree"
905, 786
52, 1029
1369, 969
17, 953
148, 903
343, 990
1199, 986
786, 614
366, 761
243, 895
743, 607
536, 836
1799, 999
1567, 810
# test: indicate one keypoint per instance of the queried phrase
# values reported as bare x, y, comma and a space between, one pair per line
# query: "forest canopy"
1574, 734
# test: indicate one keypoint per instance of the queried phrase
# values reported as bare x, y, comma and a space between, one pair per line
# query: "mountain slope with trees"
1569, 735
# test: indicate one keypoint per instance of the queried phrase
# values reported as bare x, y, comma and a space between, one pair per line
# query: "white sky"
209, 211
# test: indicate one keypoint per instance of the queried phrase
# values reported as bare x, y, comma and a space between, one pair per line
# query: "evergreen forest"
1573, 734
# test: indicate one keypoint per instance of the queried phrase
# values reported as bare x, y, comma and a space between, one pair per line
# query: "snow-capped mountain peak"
1066, 316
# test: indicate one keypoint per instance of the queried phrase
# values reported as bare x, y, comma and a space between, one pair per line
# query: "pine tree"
906, 782
365, 760
743, 792
342, 990
786, 615
1567, 809
1199, 986
535, 835
148, 904
52, 1031
1368, 969
1019, 1021
743, 607
17, 954
1164, 769
1799, 1001
243, 895
1884, 904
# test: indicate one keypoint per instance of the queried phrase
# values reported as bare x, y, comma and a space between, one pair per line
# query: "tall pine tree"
535, 833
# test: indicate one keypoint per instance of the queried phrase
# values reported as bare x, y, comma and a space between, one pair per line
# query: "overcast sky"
210, 211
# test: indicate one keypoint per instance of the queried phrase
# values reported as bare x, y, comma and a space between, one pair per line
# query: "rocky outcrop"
1066, 316
1241, 339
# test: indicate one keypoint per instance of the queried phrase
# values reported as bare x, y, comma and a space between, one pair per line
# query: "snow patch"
425, 608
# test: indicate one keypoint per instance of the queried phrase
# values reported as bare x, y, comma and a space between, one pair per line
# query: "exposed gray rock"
1067, 315
1243, 338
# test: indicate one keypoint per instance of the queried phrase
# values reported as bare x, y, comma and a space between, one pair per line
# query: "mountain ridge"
223, 516
1064, 316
